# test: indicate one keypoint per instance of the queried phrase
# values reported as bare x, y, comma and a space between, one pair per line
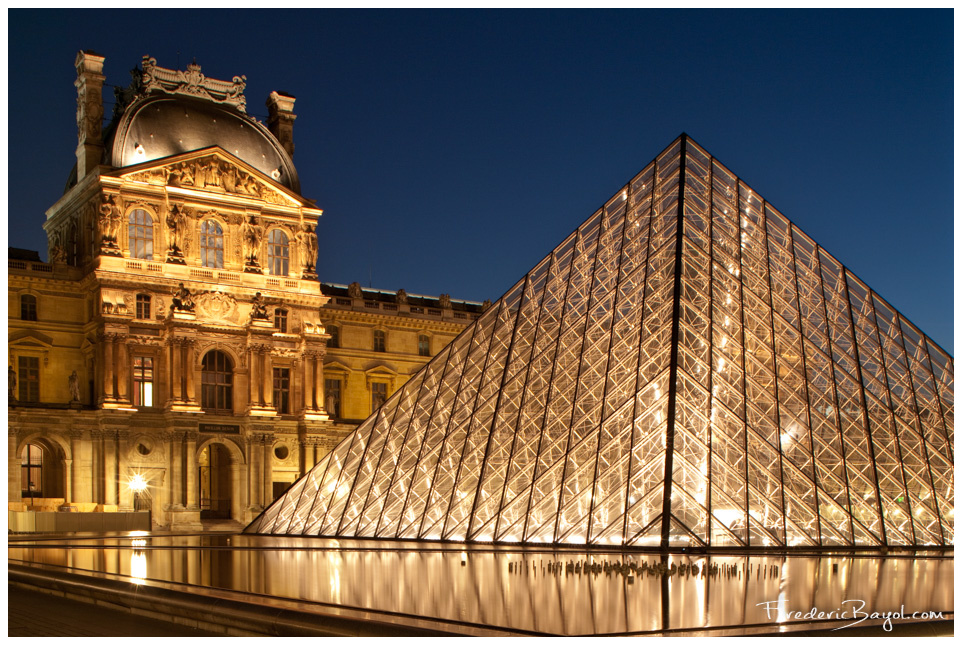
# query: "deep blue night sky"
451, 151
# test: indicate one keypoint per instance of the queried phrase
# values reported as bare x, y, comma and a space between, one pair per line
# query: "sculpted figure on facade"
445, 301
176, 225
252, 233
354, 290
402, 297
258, 308
74, 383
182, 300
110, 222
308, 241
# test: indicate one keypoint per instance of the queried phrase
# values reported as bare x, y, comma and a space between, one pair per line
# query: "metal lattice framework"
711, 379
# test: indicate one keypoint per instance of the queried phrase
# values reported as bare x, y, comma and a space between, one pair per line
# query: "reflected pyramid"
697, 377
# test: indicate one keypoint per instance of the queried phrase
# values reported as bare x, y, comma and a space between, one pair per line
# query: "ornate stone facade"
179, 334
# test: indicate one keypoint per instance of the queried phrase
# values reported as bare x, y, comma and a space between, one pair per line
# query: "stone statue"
58, 255
74, 387
485, 305
176, 221
182, 300
402, 297
11, 382
252, 240
445, 301
109, 221
331, 405
354, 290
258, 308
308, 240
230, 178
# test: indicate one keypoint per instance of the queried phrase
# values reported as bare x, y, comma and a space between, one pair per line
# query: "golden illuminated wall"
698, 377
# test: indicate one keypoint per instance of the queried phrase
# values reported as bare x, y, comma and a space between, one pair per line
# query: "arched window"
140, 234
28, 307
278, 253
211, 245
31, 471
217, 378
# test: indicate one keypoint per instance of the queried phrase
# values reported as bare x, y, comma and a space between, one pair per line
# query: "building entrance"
215, 483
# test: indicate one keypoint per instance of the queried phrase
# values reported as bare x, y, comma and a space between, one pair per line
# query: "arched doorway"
42, 470
214, 479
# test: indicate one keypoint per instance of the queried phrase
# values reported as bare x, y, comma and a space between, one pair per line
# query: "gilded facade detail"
179, 332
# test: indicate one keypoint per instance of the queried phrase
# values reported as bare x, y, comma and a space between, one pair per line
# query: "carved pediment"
216, 172
30, 338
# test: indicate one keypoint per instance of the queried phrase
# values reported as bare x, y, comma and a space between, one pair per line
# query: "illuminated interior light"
137, 483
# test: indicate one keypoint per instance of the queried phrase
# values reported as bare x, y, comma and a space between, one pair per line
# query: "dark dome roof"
163, 125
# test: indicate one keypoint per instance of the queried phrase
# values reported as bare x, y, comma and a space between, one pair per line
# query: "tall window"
143, 306
143, 381
278, 253
332, 394
31, 471
211, 245
424, 345
282, 389
217, 377
28, 307
280, 320
378, 395
379, 342
335, 339
140, 234
29, 378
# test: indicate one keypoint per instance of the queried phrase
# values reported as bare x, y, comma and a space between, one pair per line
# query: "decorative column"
111, 476
14, 492
188, 367
267, 449
192, 471
307, 370
320, 403
123, 373
97, 471
177, 470
175, 370
108, 344
254, 470
302, 465
268, 379
68, 485
80, 492
254, 377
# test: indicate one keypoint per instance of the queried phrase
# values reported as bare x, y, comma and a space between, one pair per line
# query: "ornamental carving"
307, 239
217, 306
191, 82
176, 234
252, 233
109, 225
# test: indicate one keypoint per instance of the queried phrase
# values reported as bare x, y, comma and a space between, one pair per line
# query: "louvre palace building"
177, 352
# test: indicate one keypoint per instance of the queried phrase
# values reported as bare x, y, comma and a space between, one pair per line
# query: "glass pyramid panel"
687, 368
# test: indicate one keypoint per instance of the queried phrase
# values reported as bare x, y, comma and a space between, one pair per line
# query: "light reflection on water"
520, 589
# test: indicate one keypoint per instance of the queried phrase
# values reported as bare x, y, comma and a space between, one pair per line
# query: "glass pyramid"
702, 376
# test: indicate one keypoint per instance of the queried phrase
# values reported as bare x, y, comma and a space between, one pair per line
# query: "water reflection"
536, 590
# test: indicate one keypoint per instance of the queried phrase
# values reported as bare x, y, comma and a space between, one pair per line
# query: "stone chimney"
90, 111
280, 119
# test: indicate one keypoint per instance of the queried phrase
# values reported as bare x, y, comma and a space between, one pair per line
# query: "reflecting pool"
533, 590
